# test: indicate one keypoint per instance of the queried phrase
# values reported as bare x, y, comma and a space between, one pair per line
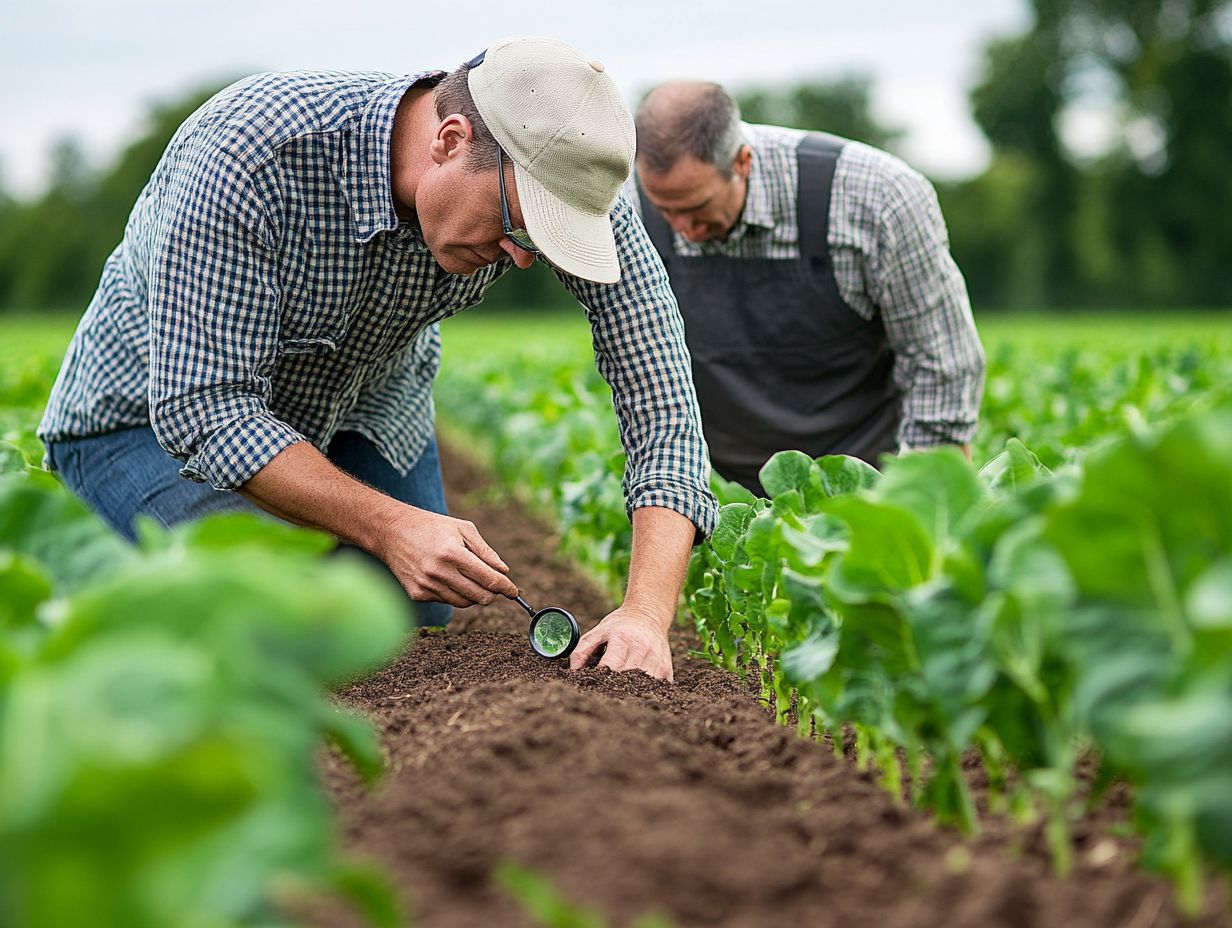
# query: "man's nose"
680, 224
522, 258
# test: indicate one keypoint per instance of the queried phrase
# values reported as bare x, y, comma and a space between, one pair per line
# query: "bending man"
265, 335
822, 308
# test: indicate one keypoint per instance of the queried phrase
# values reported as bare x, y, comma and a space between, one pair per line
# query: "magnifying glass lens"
553, 634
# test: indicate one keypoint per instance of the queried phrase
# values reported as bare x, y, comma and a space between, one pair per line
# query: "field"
955, 694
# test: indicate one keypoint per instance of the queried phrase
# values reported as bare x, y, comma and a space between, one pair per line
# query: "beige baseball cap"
559, 118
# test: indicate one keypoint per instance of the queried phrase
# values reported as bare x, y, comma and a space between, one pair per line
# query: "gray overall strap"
817, 157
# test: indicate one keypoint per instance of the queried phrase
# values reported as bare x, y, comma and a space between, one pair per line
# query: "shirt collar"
366, 181
758, 205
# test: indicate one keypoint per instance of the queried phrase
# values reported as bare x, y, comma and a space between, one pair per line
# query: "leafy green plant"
160, 709
1017, 611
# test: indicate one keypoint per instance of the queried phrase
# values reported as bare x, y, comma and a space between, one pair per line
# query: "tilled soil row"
634, 795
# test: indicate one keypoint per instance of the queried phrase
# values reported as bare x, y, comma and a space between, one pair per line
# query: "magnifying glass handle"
530, 611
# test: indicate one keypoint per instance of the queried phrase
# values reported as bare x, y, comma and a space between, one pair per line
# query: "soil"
633, 795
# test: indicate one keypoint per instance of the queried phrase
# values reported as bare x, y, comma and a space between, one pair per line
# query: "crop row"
940, 609
161, 708
1017, 612
543, 416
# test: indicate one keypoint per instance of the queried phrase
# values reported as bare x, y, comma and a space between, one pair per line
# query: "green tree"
1171, 195
52, 248
1143, 223
842, 107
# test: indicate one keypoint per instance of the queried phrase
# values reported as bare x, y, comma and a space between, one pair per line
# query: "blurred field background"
1106, 180
1092, 233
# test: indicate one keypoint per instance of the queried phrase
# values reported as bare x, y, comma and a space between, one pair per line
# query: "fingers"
483, 564
492, 584
446, 560
474, 541
461, 588
663, 671
586, 648
628, 645
616, 657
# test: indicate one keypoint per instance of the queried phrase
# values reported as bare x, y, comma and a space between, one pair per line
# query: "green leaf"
786, 471
889, 549
23, 587
371, 892
1014, 468
354, 736
1150, 513
40, 519
840, 474
939, 487
1209, 603
542, 902
734, 519
239, 530
812, 657
728, 491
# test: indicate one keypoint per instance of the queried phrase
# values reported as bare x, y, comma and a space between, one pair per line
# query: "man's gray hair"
695, 118
453, 95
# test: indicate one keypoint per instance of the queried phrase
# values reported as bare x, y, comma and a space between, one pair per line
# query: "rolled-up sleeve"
939, 362
640, 351
214, 318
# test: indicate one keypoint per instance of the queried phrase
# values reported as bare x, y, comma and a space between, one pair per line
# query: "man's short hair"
688, 118
453, 95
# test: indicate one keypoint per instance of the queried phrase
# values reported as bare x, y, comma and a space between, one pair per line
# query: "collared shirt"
891, 257
266, 293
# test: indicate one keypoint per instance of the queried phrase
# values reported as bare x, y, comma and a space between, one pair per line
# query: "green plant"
160, 709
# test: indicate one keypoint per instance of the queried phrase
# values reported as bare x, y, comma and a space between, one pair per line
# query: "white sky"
89, 69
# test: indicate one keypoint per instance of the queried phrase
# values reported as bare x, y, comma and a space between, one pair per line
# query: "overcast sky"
90, 69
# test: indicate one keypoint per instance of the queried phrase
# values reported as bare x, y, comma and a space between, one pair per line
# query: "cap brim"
577, 242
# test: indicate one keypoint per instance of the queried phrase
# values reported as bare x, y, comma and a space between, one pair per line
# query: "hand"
634, 640
442, 559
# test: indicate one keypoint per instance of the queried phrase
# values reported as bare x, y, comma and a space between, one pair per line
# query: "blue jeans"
123, 474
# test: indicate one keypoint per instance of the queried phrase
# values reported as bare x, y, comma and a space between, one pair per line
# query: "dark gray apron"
779, 359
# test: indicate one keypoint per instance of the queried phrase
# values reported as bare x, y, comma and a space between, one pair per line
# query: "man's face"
695, 198
459, 208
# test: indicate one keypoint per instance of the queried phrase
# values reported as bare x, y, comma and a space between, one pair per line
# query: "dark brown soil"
633, 795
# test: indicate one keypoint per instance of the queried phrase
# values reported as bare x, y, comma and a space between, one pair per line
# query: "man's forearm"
302, 485
435, 557
662, 542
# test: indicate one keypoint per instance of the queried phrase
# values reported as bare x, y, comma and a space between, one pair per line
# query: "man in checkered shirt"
822, 308
265, 334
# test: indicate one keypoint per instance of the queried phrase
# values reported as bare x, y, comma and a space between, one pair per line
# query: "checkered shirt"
266, 293
891, 256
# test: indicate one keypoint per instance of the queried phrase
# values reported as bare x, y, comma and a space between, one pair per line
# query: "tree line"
1143, 222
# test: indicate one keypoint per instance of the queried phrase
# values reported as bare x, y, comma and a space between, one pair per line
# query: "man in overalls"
822, 308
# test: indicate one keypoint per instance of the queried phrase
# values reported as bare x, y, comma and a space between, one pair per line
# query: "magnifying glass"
554, 633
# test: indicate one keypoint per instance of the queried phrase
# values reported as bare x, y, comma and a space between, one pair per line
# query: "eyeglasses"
519, 237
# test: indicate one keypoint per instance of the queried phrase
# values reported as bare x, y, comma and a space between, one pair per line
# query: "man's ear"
453, 134
743, 162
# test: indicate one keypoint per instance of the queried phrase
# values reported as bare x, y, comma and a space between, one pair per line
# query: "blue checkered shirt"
266, 293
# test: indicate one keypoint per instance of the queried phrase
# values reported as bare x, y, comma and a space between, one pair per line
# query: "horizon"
97, 80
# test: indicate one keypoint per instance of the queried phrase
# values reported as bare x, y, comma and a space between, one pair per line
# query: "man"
822, 308
266, 329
